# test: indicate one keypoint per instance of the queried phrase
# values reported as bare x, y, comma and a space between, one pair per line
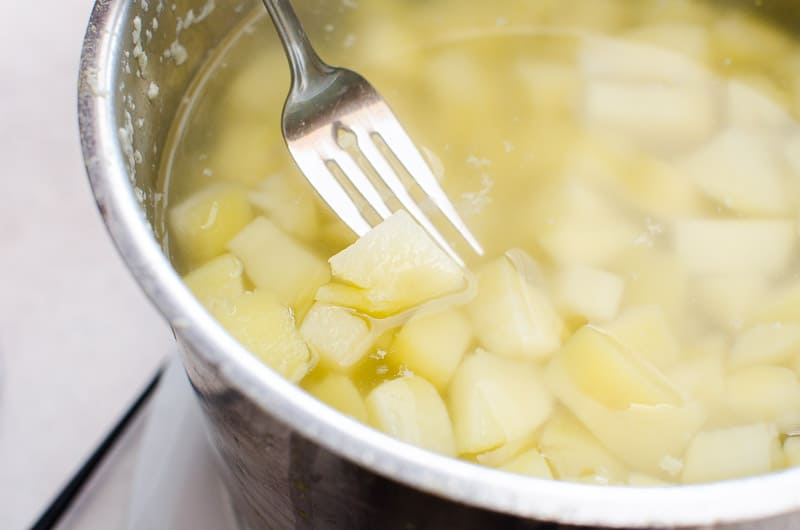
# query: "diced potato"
511, 316
791, 448
433, 345
701, 374
339, 337
654, 277
766, 344
248, 151
267, 328
728, 299
741, 39
792, 150
531, 463
764, 393
574, 453
289, 204
591, 293
409, 408
247, 94
506, 452
646, 481
393, 267
687, 38
581, 226
782, 305
645, 331
554, 88
750, 108
735, 246
730, 453
202, 225
625, 402
741, 169
495, 400
274, 260
216, 281
338, 391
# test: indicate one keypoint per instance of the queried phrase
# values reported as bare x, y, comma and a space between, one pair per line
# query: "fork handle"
305, 64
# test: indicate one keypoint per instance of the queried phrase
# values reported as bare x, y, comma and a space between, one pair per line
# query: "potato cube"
782, 305
645, 481
531, 463
394, 267
338, 391
553, 87
590, 293
511, 316
433, 345
728, 299
274, 260
583, 227
495, 400
247, 151
741, 169
267, 328
654, 277
574, 453
791, 448
701, 374
410, 409
764, 393
506, 452
202, 225
735, 246
339, 337
289, 203
645, 331
730, 453
625, 402
743, 39
688, 39
792, 150
766, 344
751, 108
216, 281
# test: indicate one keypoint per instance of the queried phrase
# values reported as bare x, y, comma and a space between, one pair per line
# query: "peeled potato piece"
275, 261
781, 306
496, 400
730, 453
791, 448
216, 281
654, 277
339, 337
645, 330
531, 463
202, 225
409, 408
766, 344
728, 299
267, 328
289, 204
764, 393
511, 316
338, 391
591, 293
624, 401
433, 345
393, 267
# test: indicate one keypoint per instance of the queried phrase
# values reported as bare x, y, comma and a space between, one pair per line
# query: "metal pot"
290, 461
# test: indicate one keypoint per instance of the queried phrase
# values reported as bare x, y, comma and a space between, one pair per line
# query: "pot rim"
460, 481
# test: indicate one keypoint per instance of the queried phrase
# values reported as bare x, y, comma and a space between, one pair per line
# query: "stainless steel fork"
326, 102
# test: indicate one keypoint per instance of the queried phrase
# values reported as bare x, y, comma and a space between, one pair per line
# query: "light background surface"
78, 340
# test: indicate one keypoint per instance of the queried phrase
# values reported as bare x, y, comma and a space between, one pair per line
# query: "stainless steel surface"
327, 102
292, 461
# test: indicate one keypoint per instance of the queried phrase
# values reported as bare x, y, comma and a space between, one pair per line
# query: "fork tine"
331, 191
386, 173
397, 140
360, 181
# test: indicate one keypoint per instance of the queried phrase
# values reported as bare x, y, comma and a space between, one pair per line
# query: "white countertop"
78, 340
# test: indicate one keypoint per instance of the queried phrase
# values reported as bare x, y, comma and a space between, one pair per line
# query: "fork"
327, 102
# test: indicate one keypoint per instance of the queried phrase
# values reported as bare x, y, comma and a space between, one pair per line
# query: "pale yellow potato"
288, 201
654, 277
764, 393
574, 453
774, 343
495, 400
338, 391
615, 394
267, 328
730, 453
511, 316
247, 152
687, 38
506, 452
781, 305
701, 373
741, 39
647, 481
409, 408
791, 448
553, 87
393, 267
791, 151
728, 299
531, 463
217, 281
590, 293
741, 170
202, 225
338, 336
644, 330
433, 345
752, 107
275, 261
710, 246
